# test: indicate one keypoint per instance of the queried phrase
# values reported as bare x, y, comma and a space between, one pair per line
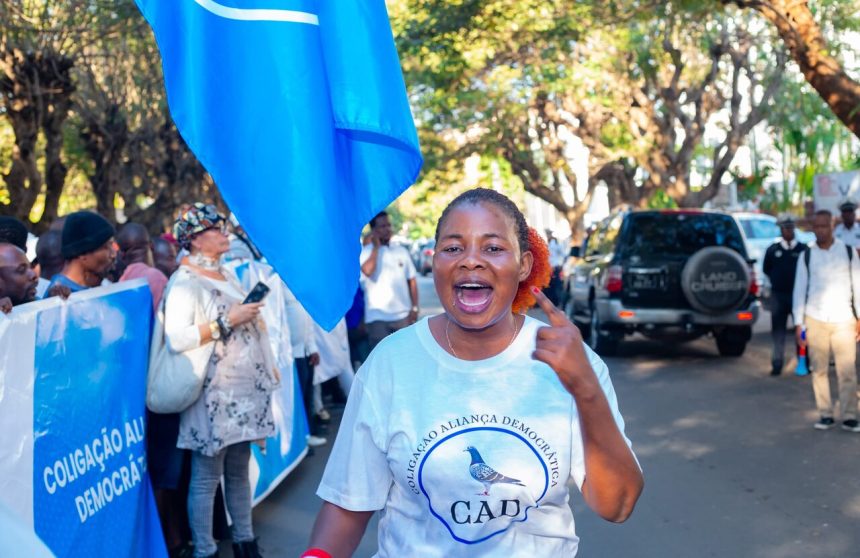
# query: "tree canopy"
653, 100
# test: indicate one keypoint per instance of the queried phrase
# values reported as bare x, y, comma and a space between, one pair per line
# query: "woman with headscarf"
204, 311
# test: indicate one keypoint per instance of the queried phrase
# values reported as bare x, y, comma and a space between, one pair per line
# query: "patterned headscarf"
194, 220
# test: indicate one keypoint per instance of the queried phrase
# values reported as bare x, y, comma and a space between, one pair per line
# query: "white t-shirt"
386, 293
422, 429
851, 236
826, 296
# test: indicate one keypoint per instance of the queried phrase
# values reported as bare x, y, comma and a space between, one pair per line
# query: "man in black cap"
847, 231
780, 266
87, 247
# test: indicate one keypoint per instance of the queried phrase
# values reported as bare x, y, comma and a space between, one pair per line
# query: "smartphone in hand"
257, 294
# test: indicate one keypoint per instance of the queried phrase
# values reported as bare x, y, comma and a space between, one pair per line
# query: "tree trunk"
36, 89
23, 181
808, 47
20, 101
106, 137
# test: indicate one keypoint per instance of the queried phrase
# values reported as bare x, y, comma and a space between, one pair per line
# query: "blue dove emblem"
485, 474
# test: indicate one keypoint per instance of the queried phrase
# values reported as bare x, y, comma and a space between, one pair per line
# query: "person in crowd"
49, 252
18, 280
389, 281
848, 231
164, 256
780, 266
557, 254
241, 246
13, 231
203, 308
165, 461
826, 305
356, 330
306, 356
88, 251
135, 251
335, 368
467, 426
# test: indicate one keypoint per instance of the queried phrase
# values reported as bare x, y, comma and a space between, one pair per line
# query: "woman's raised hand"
560, 346
243, 313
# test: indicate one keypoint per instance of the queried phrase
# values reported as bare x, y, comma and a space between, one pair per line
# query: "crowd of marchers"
205, 311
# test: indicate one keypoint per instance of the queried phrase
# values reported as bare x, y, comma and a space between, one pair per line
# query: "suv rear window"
680, 234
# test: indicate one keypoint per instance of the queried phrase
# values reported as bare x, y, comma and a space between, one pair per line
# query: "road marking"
244, 14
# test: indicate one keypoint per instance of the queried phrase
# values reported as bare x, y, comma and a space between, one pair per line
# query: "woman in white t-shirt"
465, 429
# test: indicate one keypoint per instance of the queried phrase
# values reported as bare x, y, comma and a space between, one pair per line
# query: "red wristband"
315, 553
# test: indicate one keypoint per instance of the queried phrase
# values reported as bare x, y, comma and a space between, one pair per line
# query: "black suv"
671, 274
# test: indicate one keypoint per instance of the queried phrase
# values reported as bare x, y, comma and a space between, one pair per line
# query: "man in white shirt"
827, 303
388, 277
848, 231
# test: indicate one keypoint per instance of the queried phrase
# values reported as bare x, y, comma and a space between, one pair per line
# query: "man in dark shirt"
780, 265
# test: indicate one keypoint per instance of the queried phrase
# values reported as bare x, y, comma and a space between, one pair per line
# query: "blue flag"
298, 110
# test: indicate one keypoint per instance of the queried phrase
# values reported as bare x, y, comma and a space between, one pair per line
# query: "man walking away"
780, 265
827, 303
390, 288
848, 231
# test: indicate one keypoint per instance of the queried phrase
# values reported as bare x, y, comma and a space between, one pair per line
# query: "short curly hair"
527, 238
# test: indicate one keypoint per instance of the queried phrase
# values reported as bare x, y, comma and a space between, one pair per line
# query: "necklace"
451, 347
201, 261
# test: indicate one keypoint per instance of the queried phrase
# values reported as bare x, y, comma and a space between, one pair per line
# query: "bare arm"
613, 480
339, 531
369, 266
413, 295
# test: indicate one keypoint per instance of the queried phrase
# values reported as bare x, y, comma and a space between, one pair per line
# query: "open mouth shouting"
473, 296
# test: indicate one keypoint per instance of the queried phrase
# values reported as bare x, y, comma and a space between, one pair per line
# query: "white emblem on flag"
246, 14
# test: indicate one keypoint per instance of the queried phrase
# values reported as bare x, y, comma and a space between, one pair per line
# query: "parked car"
425, 257
673, 275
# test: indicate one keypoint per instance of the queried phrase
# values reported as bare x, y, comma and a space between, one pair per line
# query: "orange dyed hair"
539, 277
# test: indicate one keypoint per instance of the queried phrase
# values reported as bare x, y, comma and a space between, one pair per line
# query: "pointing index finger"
556, 316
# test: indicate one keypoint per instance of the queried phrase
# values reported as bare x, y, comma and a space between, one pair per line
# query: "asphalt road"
732, 464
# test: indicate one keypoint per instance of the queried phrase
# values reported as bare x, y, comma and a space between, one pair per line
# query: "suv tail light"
753, 282
614, 276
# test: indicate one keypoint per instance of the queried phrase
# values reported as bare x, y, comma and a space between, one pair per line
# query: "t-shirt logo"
479, 482
485, 474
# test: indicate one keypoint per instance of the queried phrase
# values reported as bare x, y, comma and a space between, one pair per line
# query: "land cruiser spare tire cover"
716, 280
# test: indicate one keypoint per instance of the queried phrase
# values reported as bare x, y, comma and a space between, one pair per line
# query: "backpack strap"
806, 254
850, 251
